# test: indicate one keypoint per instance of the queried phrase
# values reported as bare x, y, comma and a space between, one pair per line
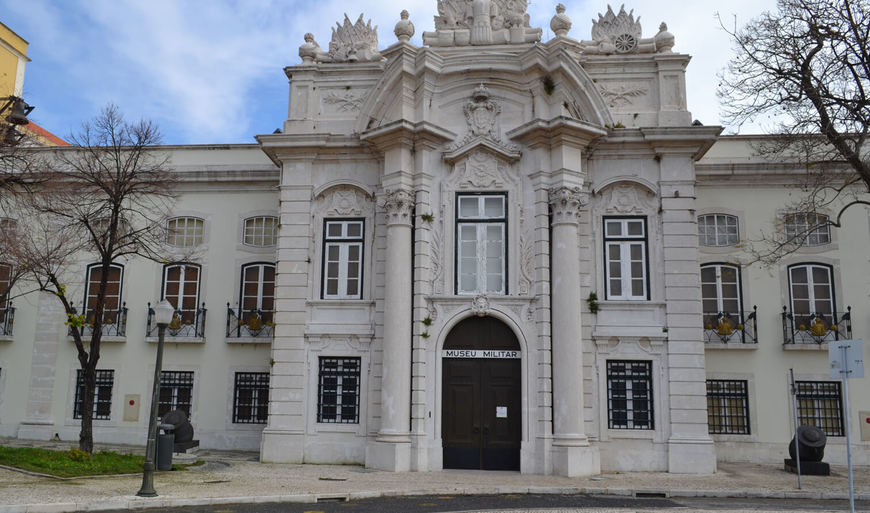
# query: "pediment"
508, 154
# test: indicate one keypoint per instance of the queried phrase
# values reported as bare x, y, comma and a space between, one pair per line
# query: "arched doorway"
481, 424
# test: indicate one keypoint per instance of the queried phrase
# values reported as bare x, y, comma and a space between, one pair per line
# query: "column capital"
566, 203
399, 205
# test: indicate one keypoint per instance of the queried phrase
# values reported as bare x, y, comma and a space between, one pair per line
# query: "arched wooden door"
481, 424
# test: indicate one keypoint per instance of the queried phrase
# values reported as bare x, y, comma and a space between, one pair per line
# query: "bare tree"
104, 198
807, 66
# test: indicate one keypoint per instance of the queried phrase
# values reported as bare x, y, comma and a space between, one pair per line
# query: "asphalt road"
528, 503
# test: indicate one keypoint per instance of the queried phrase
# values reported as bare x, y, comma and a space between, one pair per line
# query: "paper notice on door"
501, 412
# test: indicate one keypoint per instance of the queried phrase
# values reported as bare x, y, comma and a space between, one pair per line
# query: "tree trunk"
86, 435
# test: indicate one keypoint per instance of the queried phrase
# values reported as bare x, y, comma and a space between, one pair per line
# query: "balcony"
728, 328
249, 326
113, 326
816, 328
7, 316
186, 325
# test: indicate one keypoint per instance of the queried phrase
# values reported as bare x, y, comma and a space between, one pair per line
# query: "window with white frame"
717, 230
181, 289
727, 407
625, 255
343, 243
820, 404
176, 392
629, 394
261, 231
720, 289
812, 289
807, 228
184, 232
112, 298
251, 398
338, 390
481, 240
258, 291
102, 394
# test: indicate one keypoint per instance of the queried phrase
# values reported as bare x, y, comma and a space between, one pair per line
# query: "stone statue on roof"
481, 22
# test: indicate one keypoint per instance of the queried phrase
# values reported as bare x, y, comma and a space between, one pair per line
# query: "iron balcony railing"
185, 323
114, 322
249, 323
7, 316
731, 328
815, 328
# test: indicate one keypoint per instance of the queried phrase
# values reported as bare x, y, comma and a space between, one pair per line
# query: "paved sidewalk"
234, 477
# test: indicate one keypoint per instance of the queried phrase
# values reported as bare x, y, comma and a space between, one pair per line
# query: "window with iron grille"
717, 230
727, 407
342, 259
251, 398
820, 404
184, 232
176, 392
629, 394
261, 231
808, 228
102, 394
338, 390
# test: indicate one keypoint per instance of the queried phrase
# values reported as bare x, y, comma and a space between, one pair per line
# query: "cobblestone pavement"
234, 476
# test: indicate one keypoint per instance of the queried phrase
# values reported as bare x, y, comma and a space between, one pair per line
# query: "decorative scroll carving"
346, 102
351, 42
527, 253
399, 205
481, 22
619, 95
437, 253
565, 202
344, 201
626, 198
480, 306
621, 34
481, 171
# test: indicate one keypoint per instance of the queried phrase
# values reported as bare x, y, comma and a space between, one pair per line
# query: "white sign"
480, 353
501, 412
850, 365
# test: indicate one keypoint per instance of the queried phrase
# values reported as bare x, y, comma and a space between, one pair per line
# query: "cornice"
560, 130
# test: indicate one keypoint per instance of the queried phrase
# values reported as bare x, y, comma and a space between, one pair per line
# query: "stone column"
392, 448
572, 454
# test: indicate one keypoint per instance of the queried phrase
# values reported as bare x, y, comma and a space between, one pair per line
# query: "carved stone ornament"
527, 254
310, 50
480, 306
621, 34
566, 202
399, 205
561, 23
343, 102
481, 171
620, 95
626, 198
481, 116
481, 22
345, 201
351, 42
404, 29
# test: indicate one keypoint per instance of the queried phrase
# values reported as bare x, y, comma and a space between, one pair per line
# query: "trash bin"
165, 443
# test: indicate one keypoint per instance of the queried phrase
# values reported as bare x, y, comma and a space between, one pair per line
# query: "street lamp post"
163, 312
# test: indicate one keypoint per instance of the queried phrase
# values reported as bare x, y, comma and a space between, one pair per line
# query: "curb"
135, 503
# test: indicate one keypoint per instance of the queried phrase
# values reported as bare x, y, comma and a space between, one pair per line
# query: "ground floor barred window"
102, 394
251, 398
338, 390
176, 392
820, 404
629, 394
727, 407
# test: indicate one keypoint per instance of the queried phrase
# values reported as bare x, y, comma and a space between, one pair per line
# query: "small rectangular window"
629, 394
625, 254
176, 392
102, 394
251, 398
338, 391
727, 407
820, 404
261, 231
342, 259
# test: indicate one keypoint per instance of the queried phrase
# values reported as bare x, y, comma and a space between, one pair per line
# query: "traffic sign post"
847, 361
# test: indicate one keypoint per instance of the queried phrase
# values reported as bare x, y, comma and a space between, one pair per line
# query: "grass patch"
74, 463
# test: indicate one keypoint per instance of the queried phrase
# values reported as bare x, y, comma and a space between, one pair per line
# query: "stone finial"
404, 28
561, 23
664, 40
309, 49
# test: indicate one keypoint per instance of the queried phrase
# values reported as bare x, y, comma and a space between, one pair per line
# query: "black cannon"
811, 444
183, 430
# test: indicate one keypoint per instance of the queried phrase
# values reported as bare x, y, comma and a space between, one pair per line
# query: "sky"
211, 71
